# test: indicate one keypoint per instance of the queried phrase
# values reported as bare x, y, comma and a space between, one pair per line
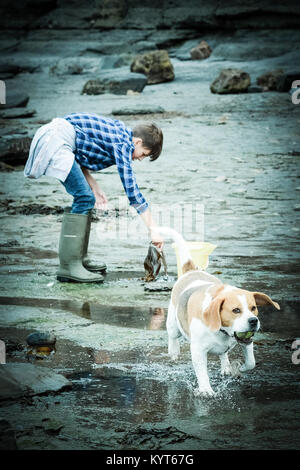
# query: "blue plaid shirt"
102, 142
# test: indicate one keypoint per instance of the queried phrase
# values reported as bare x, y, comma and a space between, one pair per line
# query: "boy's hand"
155, 236
101, 200
156, 239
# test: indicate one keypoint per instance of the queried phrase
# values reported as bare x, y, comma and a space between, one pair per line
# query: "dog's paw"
226, 370
247, 366
174, 352
204, 392
235, 368
174, 357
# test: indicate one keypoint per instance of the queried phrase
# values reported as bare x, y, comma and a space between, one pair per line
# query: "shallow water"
135, 397
143, 317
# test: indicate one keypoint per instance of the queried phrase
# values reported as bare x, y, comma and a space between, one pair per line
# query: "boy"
66, 149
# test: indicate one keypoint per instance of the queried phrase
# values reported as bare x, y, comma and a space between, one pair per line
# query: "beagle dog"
213, 316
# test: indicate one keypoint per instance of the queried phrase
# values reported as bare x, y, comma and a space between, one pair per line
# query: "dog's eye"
236, 310
253, 308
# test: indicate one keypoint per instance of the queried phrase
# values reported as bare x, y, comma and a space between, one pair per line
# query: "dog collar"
225, 332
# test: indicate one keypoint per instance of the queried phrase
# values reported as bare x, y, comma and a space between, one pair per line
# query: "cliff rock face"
149, 14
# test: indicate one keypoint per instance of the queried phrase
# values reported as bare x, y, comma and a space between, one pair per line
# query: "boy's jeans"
78, 187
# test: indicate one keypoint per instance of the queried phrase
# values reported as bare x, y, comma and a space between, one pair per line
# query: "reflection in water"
86, 310
101, 357
157, 320
285, 322
137, 399
130, 317
141, 317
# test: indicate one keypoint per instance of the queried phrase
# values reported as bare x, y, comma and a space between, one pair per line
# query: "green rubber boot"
71, 246
87, 263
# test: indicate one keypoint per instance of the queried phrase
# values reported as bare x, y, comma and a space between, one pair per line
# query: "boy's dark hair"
152, 138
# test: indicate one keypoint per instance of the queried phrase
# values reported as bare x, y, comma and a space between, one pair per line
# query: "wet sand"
237, 158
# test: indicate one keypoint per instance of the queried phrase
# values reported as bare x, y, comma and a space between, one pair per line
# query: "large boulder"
156, 65
116, 83
269, 80
16, 152
14, 99
201, 51
278, 80
231, 81
23, 379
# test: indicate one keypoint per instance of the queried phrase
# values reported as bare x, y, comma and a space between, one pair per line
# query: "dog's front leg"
249, 359
225, 364
199, 359
173, 348
173, 333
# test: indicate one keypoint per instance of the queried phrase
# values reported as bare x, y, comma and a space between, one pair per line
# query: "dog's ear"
264, 299
212, 315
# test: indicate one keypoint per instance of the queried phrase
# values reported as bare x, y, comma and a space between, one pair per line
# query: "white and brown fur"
208, 313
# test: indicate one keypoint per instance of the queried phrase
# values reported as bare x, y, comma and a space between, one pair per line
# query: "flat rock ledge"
19, 380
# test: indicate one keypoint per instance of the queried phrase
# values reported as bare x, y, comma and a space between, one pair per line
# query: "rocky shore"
217, 78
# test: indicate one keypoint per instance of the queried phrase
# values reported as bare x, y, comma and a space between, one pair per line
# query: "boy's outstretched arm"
156, 239
101, 203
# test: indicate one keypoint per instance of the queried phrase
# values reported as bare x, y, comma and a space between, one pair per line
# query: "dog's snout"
253, 321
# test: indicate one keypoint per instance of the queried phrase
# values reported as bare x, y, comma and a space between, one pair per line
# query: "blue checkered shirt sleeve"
123, 161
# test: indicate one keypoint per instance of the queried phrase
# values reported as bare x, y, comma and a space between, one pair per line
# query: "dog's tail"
185, 257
